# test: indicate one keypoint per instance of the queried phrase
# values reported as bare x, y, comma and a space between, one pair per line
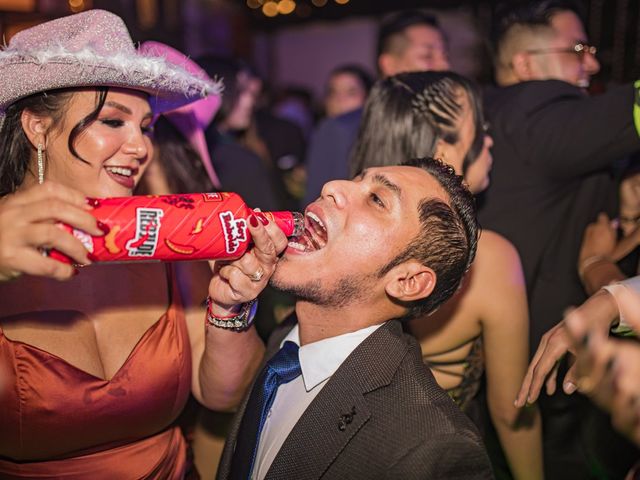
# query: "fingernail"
262, 217
103, 226
569, 387
92, 202
92, 257
253, 220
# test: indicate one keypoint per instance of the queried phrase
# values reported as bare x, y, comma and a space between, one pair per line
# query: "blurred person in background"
439, 114
296, 105
554, 148
278, 143
408, 41
347, 89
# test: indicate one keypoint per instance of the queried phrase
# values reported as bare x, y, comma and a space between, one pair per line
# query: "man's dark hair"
396, 25
357, 71
531, 13
448, 236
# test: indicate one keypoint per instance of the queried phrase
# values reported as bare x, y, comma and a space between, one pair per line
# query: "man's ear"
387, 64
410, 281
521, 65
35, 127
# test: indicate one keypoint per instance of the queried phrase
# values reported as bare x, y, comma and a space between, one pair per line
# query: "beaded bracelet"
237, 322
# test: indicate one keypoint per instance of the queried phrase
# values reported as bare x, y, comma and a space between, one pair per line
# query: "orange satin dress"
57, 421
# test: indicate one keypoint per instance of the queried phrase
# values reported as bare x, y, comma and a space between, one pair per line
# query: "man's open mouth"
314, 237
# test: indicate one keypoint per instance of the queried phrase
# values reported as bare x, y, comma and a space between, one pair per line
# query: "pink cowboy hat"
192, 119
92, 49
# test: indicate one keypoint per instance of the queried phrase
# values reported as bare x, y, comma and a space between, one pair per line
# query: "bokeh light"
285, 7
270, 9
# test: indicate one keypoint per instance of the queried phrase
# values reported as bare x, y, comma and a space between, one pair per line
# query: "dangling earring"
40, 164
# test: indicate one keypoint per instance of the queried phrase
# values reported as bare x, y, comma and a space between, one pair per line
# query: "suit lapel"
340, 410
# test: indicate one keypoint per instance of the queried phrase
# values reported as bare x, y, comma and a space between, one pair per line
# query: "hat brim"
168, 86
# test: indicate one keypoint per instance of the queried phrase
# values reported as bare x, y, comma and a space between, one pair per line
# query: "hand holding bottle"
28, 226
241, 280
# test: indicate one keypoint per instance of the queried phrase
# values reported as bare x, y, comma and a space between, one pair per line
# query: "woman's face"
477, 175
116, 147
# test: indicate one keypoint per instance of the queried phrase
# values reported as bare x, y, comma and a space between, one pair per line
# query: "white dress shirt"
318, 361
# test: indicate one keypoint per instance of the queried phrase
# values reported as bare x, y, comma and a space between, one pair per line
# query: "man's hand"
596, 314
599, 240
543, 369
609, 369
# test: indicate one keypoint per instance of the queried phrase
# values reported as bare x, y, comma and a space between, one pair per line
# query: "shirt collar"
319, 360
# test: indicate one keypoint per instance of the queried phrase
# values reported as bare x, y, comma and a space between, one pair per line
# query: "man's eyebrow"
123, 108
385, 182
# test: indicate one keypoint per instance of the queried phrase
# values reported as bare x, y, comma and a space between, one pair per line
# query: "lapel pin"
346, 419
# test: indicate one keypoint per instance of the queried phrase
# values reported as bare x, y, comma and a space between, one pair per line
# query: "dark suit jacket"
554, 149
405, 426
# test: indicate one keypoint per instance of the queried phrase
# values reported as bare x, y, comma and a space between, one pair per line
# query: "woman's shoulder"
497, 268
494, 251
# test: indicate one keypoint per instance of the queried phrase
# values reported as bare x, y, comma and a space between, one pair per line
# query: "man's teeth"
124, 171
316, 219
297, 246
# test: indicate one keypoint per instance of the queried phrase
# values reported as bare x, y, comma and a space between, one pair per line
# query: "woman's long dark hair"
179, 161
405, 115
15, 147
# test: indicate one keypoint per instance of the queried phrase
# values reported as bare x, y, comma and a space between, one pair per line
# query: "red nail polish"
92, 257
92, 202
103, 226
262, 217
253, 220
76, 272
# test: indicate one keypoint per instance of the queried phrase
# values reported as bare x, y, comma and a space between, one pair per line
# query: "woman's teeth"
124, 171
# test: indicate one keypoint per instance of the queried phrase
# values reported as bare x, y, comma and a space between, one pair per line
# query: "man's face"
425, 49
561, 62
353, 230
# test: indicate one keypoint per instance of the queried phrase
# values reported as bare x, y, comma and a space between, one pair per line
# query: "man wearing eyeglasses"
556, 49
554, 148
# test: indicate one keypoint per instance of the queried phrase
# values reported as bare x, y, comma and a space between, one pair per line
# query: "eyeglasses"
579, 49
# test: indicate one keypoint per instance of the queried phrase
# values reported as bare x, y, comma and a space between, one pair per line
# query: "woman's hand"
28, 224
243, 279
